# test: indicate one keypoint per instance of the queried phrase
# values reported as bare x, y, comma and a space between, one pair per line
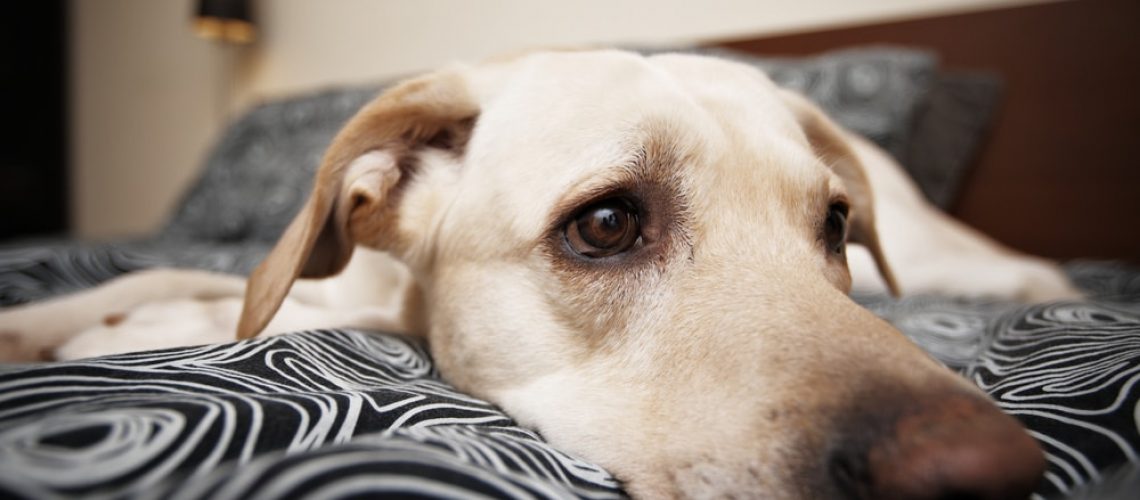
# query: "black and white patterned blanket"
321, 413
339, 413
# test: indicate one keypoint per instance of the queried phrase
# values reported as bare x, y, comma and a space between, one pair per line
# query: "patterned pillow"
932, 122
259, 174
948, 131
873, 91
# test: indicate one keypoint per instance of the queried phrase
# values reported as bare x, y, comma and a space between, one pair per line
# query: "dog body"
643, 258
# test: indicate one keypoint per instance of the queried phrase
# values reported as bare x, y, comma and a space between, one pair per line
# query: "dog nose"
960, 447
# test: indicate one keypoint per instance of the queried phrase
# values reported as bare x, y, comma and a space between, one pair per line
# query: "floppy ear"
828, 142
357, 189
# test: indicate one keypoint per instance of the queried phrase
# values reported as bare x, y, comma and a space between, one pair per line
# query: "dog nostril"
955, 449
850, 475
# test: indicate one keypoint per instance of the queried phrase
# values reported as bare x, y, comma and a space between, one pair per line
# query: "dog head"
643, 258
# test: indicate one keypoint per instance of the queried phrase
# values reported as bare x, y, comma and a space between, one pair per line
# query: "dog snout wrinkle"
956, 447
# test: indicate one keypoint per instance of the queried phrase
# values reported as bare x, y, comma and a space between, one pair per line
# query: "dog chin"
655, 457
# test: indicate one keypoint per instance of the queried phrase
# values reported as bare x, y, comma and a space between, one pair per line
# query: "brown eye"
605, 228
835, 228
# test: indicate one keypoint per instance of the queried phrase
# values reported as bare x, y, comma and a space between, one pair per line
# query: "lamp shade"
225, 20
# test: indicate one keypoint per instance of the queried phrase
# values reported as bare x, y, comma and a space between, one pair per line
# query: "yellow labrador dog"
642, 258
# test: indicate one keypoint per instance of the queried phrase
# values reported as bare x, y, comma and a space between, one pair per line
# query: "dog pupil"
609, 219
608, 226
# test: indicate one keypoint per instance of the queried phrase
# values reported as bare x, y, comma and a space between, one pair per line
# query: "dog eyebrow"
612, 181
650, 169
834, 190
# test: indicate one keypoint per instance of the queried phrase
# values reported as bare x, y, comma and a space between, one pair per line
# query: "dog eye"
835, 228
603, 229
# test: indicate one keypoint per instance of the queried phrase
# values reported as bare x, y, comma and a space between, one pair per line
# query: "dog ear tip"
893, 287
248, 326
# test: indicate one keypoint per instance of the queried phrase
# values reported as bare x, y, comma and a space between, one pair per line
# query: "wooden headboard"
1059, 176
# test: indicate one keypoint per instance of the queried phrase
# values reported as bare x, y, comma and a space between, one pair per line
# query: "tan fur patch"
114, 319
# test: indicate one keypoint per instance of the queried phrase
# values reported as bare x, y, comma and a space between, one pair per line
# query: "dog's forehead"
615, 90
551, 121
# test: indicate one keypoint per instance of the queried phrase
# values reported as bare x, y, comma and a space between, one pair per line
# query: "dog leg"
932, 253
160, 308
186, 322
30, 332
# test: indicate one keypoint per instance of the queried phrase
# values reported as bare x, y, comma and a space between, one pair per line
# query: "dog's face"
644, 260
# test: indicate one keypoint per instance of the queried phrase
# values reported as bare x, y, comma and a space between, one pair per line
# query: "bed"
346, 413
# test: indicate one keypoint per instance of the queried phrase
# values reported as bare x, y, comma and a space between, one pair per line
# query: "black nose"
957, 447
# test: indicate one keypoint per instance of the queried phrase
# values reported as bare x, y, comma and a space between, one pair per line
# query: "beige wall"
148, 97
307, 44
144, 97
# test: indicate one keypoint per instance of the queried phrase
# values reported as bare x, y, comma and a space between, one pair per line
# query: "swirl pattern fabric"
321, 413
1069, 371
